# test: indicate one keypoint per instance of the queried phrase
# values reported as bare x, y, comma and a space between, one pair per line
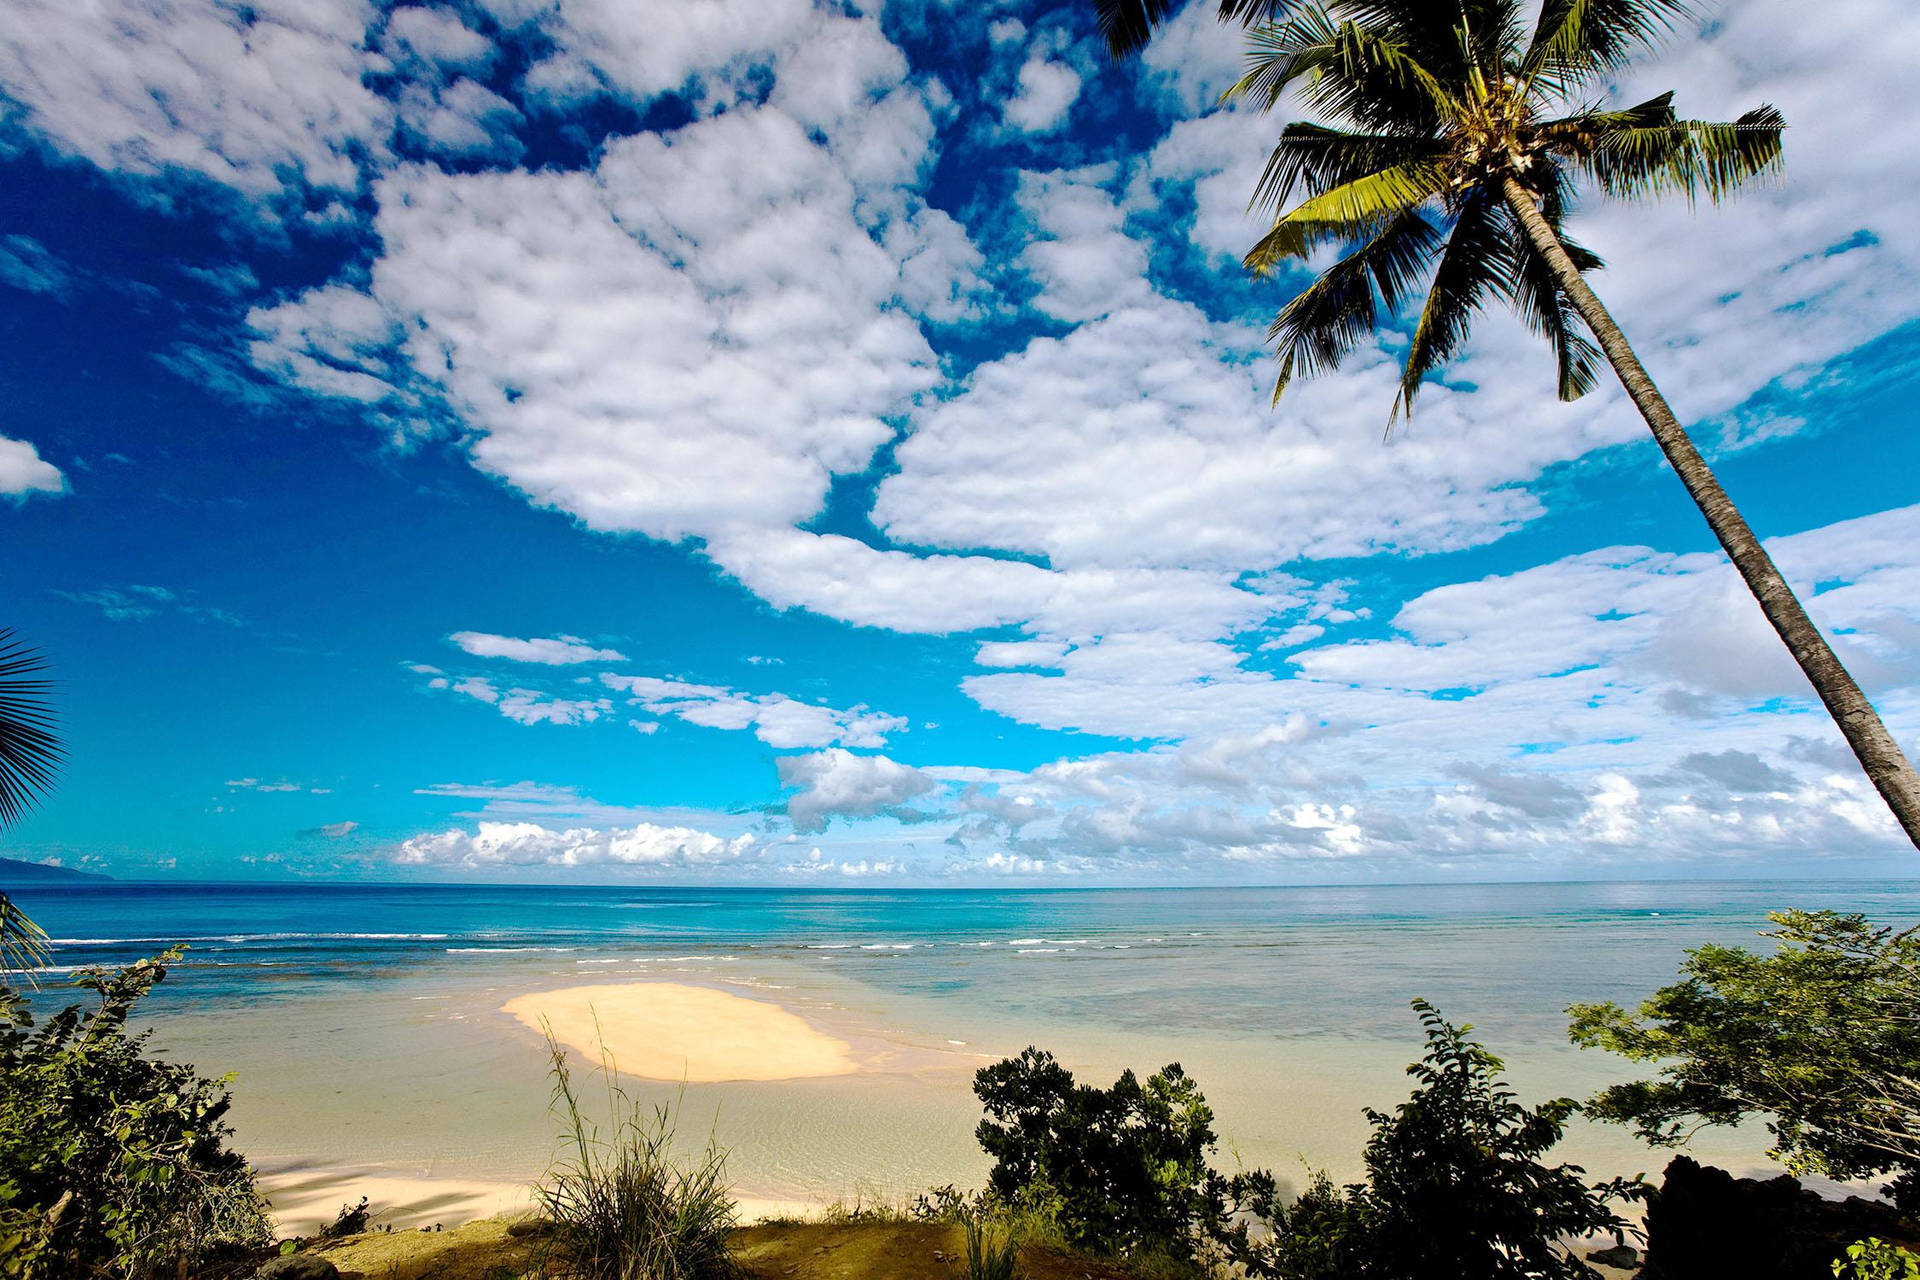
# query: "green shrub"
114, 1162
622, 1206
1876, 1259
1455, 1187
1820, 1037
1121, 1170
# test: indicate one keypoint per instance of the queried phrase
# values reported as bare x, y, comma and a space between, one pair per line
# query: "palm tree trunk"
1879, 754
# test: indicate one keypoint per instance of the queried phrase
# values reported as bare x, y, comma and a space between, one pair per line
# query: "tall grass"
621, 1205
991, 1254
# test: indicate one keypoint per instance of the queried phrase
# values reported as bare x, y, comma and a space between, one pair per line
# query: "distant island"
14, 871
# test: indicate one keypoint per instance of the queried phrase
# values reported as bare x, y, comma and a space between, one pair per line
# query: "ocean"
362, 1022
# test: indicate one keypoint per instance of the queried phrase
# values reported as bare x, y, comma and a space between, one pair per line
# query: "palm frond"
1544, 309
1315, 159
1494, 29
1127, 25
1474, 262
1345, 71
23, 944
1576, 42
1316, 330
29, 749
1684, 157
1349, 211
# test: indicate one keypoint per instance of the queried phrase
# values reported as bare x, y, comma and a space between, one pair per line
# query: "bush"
1876, 1259
1820, 1036
1122, 1170
1455, 1187
622, 1207
114, 1162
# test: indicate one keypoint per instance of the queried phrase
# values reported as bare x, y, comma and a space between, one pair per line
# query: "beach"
389, 1043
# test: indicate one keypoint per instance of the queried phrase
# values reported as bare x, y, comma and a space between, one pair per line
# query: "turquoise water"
363, 1021
1307, 960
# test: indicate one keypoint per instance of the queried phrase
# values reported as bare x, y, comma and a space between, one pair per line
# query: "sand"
673, 1032
306, 1197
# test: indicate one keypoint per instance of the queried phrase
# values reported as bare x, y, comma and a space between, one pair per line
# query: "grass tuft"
992, 1254
622, 1207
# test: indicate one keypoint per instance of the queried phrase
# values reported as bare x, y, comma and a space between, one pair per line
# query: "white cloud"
28, 265
526, 706
436, 36
1085, 266
253, 97
839, 784
1045, 92
638, 51
1553, 691
526, 844
776, 719
23, 471
693, 338
554, 651
138, 601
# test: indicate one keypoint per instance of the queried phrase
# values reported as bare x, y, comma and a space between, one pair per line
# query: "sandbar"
674, 1032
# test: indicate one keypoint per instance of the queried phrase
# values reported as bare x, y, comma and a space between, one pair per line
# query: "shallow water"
363, 1021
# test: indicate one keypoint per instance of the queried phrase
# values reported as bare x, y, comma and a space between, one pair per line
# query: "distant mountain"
13, 871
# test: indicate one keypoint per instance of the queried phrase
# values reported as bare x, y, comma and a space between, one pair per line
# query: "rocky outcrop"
297, 1266
1706, 1222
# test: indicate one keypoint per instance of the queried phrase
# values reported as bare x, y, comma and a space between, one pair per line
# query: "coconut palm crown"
1455, 115
1459, 133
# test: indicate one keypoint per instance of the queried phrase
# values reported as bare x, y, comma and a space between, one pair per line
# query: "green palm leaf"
1470, 266
1349, 210
29, 751
1576, 42
1687, 158
1346, 70
1127, 25
29, 754
1323, 323
23, 944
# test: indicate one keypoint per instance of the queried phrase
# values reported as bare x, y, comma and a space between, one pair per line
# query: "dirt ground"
793, 1251
885, 1251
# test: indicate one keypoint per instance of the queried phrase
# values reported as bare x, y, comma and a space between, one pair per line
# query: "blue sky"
812, 443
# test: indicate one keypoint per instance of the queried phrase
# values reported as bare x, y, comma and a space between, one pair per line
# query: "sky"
829, 443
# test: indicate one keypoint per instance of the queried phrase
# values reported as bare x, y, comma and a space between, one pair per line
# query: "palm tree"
1461, 137
29, 753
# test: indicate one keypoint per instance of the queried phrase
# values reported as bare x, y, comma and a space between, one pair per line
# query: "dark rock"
1624, 1256
529, 1227
297, 1266
1706, 1222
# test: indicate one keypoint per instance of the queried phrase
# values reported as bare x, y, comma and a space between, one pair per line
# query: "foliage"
1437, 110
350, 1221
622, 1206
1455, 1187
29, 753
23, 944
1876, 1259
113, 1162
29, 749
1822, 1036
1122, 1170
1127, 24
